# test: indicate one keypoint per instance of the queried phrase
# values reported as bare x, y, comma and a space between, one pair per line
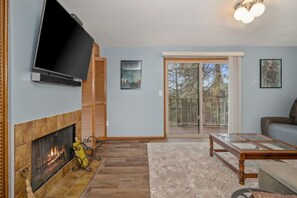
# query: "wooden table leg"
241, 174
210, 146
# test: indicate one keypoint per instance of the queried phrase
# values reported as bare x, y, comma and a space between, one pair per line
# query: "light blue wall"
140, 112
29, 100
130, 113
135, 112
256, 102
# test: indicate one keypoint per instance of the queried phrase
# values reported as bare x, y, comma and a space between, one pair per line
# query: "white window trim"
200, 54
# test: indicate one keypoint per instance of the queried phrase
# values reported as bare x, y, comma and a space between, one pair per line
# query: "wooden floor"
124, 172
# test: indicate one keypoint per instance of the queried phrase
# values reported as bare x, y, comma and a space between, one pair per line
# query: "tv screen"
64, 47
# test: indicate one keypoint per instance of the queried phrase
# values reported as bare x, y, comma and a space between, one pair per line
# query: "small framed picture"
270, 73
131, 72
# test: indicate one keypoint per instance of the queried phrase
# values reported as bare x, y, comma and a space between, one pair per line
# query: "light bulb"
257, 9
240, 13
248, 18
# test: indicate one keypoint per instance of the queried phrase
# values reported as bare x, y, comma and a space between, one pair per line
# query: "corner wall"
140, 112
29, 100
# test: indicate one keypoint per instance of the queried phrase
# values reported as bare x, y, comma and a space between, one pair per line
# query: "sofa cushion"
278, 177
283, 132
293, 112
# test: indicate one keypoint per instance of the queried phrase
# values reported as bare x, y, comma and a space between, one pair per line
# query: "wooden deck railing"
185, 112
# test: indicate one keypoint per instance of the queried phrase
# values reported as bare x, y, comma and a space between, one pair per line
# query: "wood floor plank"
124, 172
119, 193
108, 170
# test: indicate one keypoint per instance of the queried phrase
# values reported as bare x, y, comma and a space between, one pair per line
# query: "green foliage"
183, 84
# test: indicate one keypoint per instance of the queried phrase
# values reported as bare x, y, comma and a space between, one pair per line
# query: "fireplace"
50, 153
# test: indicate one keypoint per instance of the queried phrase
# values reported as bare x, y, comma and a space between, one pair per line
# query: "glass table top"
253, 142
248, 146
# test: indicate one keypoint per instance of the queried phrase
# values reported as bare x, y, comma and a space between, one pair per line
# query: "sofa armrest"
266, 121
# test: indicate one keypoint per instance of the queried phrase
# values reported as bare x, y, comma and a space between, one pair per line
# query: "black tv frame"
48, 76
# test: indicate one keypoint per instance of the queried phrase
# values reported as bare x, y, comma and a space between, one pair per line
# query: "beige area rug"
185, 170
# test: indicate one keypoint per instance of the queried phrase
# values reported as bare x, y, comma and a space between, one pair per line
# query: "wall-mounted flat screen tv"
64, 47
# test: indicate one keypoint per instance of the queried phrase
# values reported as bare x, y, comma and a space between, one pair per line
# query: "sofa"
282, 128
278, 177
274, 179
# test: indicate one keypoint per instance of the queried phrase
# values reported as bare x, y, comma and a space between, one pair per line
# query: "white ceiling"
145, 23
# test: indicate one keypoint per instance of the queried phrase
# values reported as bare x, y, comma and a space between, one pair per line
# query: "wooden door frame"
4, 118
104, 60
166, 109
165, 71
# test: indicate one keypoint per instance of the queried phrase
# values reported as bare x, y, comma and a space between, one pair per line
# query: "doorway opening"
196, 96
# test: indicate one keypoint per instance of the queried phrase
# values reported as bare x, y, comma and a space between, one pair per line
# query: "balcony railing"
185, 112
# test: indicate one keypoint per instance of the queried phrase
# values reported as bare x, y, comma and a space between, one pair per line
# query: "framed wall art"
131, 74
270, 73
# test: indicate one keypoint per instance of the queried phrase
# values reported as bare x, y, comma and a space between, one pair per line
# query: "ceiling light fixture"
247, 10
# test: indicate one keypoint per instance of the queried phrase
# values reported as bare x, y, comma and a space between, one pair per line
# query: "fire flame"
55, 154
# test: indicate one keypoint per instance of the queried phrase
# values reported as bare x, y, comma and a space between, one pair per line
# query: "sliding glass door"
215, 87
197, 97
183, 98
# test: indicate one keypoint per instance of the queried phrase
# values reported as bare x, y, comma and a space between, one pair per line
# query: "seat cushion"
283, 132
278, 177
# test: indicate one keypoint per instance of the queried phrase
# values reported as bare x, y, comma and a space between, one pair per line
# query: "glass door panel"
183, 98
215, 84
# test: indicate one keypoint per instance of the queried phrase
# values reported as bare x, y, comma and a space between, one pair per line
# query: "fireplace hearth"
50, 153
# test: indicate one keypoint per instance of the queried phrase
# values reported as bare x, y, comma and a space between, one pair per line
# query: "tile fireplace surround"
25, 133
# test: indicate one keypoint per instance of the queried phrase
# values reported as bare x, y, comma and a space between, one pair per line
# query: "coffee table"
250, 146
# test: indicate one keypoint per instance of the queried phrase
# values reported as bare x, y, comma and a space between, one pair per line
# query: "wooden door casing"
3, 101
